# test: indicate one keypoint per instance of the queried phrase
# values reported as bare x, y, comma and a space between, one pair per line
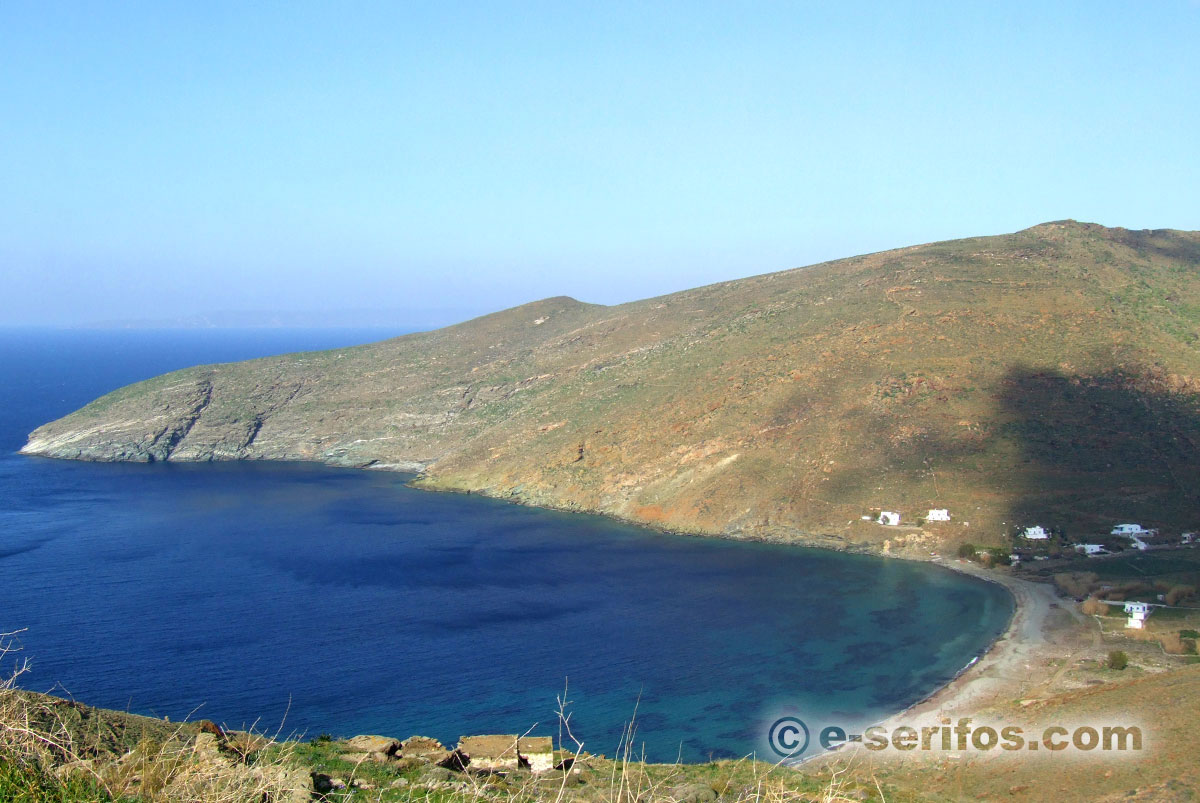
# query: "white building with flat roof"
938, 514
1138, 611
1035, 533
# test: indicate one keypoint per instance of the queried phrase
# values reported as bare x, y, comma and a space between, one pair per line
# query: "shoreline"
1022, 640
1031, 601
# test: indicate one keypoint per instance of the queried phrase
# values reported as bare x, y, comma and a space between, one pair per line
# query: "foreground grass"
23, 782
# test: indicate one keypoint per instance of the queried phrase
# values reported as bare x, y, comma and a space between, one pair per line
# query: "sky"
443, 160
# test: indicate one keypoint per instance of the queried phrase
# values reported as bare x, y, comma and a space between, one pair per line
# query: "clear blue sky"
447, 159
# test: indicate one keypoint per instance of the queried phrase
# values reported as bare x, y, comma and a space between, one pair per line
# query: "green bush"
1117, 659
967, 551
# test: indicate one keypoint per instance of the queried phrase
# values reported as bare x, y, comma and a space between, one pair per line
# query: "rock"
286, 784
208, 726
373, 744
456, 760
436, 774
358, 758
422, 747
206, 747
321, 783
693, 793
403, 764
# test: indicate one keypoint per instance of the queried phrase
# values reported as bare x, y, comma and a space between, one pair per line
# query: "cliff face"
1051, 373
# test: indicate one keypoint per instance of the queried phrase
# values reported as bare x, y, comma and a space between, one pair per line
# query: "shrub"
1117, 659
967, 551
1076, 584
1178, 594
1189, 634
1092, 606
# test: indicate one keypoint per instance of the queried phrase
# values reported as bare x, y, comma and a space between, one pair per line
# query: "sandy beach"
1045, 631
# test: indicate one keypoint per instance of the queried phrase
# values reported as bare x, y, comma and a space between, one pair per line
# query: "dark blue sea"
315, 600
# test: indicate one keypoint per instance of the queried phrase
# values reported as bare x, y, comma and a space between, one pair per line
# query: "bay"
311, 600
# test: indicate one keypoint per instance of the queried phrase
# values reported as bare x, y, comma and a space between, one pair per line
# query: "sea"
302, 600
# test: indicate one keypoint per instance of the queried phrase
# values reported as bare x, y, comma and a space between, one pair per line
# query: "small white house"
1138, 611
1188, 538
1091, 550
1130, 530
938, 514
1035, 533
889, 518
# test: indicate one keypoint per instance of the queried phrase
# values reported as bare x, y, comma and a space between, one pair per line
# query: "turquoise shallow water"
344, 602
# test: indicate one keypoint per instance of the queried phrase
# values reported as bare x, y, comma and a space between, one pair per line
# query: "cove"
318, 600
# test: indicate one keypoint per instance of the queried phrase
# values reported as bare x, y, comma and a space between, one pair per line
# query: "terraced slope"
1053, 373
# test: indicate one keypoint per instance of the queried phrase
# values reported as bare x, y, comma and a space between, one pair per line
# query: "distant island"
394, 319
1049, 377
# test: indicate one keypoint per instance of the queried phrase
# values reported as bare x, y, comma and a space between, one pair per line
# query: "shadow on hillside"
1160, 243
1114, 447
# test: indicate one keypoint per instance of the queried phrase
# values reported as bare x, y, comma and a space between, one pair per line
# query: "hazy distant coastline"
403, 320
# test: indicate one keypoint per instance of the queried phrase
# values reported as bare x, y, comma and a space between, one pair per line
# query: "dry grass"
48, 755
51, 759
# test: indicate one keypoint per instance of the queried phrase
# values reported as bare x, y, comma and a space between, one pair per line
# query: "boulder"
422, 747
373, 744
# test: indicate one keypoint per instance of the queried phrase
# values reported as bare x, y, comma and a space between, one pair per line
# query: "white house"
1187, 538
938, 514
1035, 533
1138, 611
889, 518
1091, 550
1130, 530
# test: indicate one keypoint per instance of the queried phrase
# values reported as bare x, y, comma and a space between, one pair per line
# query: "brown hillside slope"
1051, 373
1165, 706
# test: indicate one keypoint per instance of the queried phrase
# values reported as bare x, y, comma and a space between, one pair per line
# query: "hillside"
1164, 705
1051, 374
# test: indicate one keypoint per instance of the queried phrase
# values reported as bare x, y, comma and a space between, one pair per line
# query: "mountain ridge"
997, 376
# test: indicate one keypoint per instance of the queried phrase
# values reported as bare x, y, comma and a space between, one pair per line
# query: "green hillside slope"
1051, 374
